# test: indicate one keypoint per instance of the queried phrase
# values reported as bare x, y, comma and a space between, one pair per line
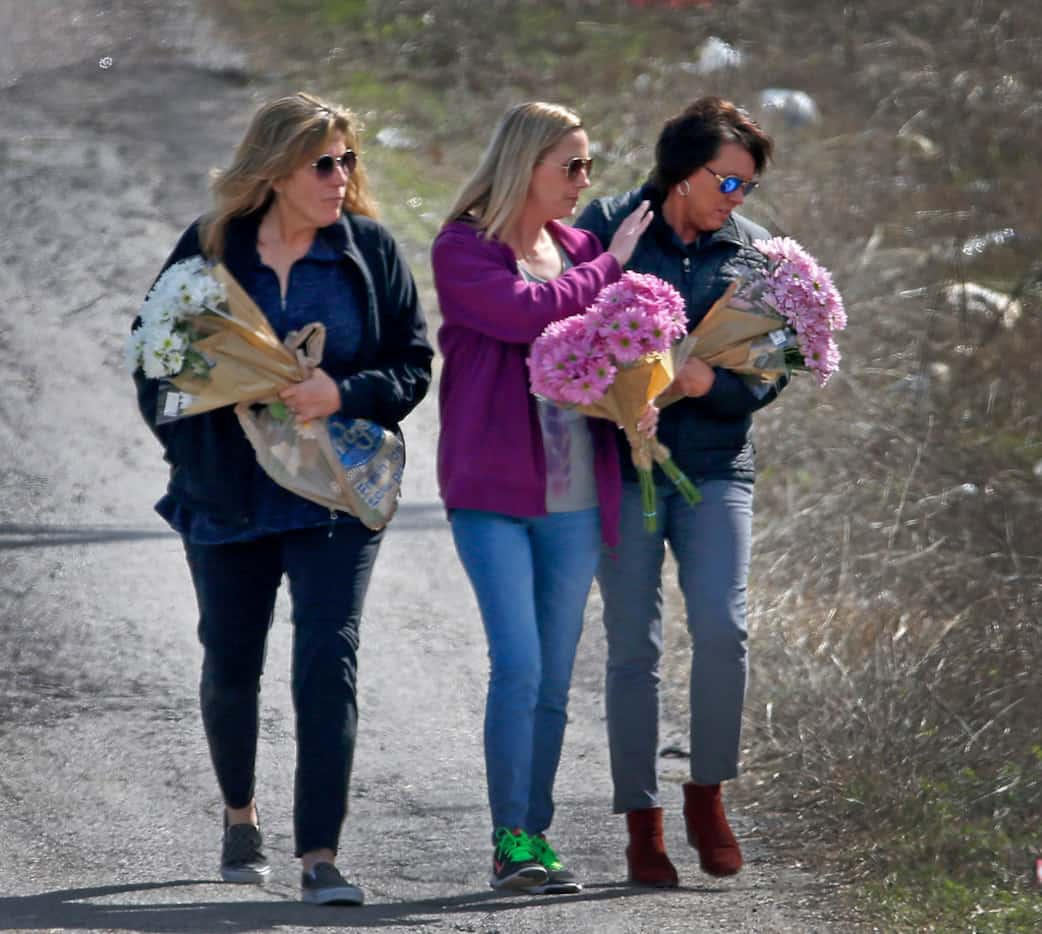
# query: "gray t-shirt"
567, 443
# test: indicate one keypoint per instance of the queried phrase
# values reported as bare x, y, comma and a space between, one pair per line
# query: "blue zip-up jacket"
211, 461
709, 437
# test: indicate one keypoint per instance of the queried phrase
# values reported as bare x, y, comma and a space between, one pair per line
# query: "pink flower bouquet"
612, 361
801, 291
778, 322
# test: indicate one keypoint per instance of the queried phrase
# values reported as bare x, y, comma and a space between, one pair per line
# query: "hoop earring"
684, 188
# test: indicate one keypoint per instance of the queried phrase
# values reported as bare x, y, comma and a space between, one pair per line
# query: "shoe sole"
557, 888
718, 873
659, 884
340, 896
245, 876
522, 880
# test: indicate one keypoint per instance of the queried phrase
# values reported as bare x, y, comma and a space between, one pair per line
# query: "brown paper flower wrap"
247, 362
351, 465
737, 338
635, 385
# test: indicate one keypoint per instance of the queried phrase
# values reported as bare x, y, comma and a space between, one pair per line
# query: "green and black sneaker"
514, 865
559, 881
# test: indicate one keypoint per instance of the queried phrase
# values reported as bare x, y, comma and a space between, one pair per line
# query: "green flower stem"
681, 481
278, 410
647, 499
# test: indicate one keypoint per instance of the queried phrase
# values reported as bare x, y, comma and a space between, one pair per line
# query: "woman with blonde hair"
293, 221
531, 490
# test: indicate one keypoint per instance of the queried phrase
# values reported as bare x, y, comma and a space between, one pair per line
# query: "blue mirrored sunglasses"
729, 184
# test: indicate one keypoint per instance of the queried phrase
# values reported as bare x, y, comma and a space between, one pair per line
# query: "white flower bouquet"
206, 338
211, 345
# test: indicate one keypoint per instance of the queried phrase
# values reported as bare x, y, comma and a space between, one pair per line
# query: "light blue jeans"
711, 544
532, 577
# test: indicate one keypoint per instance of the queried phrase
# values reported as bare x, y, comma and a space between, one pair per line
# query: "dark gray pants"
235, 585
711, 544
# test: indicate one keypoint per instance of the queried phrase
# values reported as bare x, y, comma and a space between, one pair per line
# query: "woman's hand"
647, 423
630, 230
695, 378
315, 397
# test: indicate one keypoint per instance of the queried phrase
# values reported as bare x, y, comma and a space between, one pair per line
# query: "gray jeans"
711, 544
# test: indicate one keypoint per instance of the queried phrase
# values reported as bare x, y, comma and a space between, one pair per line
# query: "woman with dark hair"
531, 489
707, 160
293, 222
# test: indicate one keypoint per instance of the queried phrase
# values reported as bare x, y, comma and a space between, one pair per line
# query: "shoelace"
516, 847
544, 853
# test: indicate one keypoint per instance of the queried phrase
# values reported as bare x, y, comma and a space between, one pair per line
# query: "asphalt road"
110, 116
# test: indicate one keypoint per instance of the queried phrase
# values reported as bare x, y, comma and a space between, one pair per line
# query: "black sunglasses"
347, 161
575, 165
729, 184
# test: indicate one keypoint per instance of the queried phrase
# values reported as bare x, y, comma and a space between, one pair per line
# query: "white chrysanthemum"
173, 362
163, 352
153, 366
132, 351
198, 287
187, 288
203, 291
152, 333
160, 344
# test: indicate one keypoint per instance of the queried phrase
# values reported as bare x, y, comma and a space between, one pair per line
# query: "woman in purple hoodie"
531, 489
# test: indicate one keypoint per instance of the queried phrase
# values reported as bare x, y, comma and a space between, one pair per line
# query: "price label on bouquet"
171, 403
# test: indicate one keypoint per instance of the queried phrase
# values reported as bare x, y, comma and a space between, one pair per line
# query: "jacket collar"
240, 250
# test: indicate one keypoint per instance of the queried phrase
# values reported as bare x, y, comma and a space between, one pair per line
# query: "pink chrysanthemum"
567, 365
644, 308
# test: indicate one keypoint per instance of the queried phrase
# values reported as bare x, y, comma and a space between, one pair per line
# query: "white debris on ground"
391, 137
980, 300
796, 108
713, 55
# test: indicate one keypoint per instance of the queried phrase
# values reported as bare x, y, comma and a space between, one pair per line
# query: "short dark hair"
694, 136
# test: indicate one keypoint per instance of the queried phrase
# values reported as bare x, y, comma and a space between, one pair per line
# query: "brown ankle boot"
708, 830
646, 854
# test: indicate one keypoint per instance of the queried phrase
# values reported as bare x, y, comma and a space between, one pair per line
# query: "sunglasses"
729, 184
324, 165
574, 166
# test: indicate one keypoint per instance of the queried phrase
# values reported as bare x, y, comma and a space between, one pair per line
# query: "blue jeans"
531, 577
711, 544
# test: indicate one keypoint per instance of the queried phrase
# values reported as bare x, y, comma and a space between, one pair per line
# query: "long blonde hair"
281, 135
494, 196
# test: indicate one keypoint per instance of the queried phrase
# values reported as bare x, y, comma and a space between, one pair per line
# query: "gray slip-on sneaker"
324, 885
242, 855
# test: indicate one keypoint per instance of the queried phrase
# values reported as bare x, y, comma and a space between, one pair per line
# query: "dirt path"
110, 116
